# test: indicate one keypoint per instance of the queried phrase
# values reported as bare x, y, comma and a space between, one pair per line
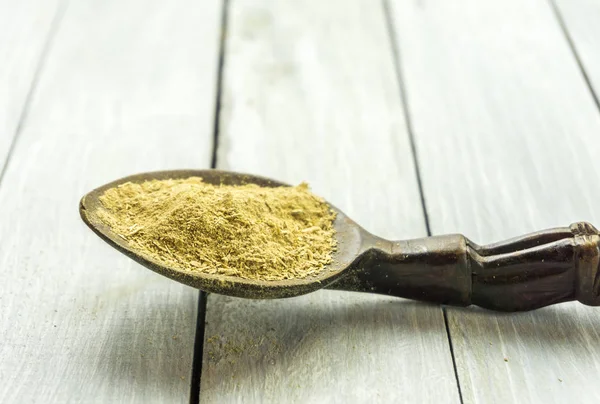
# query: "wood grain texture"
581, 20
128, 86
508, 139
25, 28
310, 93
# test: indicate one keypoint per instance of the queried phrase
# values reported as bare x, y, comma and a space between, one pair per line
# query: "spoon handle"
524, 273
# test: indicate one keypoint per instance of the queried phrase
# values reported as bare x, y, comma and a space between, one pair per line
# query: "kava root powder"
246, 231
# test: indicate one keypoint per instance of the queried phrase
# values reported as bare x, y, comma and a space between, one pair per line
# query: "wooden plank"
25, 31
507, 136
310, 94
581, 21
128, 86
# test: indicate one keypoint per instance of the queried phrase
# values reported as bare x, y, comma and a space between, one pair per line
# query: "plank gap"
56, 19
569, 38
403, 96
203, 296
323, 77
198, 350
108, 103
501, 117
222, 39
444, 310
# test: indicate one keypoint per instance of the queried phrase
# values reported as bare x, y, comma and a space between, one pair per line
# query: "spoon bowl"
523, 273
348, 234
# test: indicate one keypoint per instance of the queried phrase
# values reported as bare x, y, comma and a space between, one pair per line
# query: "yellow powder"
245, 231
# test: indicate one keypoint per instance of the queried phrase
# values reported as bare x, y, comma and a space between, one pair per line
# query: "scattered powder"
246, 231
229, 350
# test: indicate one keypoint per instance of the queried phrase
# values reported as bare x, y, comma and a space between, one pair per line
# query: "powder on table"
247, 231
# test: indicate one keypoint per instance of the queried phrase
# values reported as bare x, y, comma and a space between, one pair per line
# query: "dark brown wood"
523, 273
434, 269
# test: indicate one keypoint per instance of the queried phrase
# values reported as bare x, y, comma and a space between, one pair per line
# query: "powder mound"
247, 231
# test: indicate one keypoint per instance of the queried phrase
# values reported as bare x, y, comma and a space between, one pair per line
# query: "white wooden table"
414, 117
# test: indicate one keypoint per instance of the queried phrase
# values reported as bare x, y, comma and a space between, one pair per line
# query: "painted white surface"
581, 20
25, 28
310, 93
507, 136
508, 139
128, 86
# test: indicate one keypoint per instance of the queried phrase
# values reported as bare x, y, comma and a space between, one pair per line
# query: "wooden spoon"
523, 273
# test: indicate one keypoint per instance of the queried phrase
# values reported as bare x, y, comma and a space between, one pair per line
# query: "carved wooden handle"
524, 273
538, 269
